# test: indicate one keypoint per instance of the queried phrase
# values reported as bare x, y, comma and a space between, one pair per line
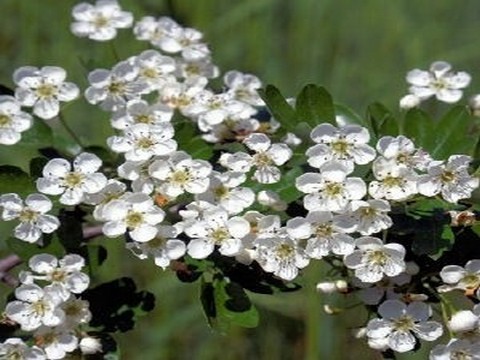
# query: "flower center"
333, 189
28, 215
368, 212
403, 323
448, 176
14, 353
284, 251
180, 177
324, 230
145, 143
156, 243
133, 219
221, 192
262, 159
46, 91
391, 181
143, 119
73, 179
340, 147
39, 308
377, 257
58, 275
5, 120
471, 281
100, 21
219, 235
460, 355
116, 88
149, 73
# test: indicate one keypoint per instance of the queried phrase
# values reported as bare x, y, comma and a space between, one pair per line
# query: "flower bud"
409, 101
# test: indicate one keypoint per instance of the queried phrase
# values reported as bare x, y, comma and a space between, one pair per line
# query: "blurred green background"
359, 50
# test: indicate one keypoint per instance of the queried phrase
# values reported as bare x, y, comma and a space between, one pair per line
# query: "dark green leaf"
36, 166
279, 107
191, 142
38, 136
15, 180
381, 121
70, 231
349, 115
419, 127
314, 105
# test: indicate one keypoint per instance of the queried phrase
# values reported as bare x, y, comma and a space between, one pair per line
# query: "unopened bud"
341, 285
463, 218
90, 345
330, 310
409, 101
327, 287
475, 104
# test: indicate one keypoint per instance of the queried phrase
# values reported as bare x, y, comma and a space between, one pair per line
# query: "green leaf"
21, 248
191, 142
279, 107
225, 303
314, 105
381, 121
15, 180
349, 115
70, 232
455, 133
419, 127
38, 136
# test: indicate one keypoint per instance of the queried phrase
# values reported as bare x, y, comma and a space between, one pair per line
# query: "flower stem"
70, 131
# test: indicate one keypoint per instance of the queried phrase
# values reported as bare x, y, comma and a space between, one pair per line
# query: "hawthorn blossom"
56, 342
330, 189
58, 178
266, 159
216, 228
164, 247
15, 348
271, 199
323, 232
400, 324
180, 173
244, 87
456, 349
142, 141
373, 259
367, 217
451, 180
154, 69
113, 88
113, 190
347, 144
392, 182
43, 89
33, 216
140, 112
466, 323
463, 278
100, 21
439, 81
64, 276
401, 150
134, 213
13, 121
35, 307
224, 190
281, 255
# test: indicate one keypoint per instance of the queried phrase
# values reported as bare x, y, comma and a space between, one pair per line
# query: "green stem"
70, 131
114, 51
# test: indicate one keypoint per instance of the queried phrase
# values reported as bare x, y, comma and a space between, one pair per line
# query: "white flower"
409, 101
155, 69
13, 121
135, 213
401, 150
367, 217
271, 199
347, 144
224, 191
267, 157
100, 21
113, 88
393, 182
35, 307
373, 259
184, 96
164, 247
244, 87
58, 178
33, 216
180, 173
64, 276
215, 228
141, 141
457, 277
282, 255
43, 89
201, 68
452, 180
325, 234
331, 189
140, 112
439, 81
456, 349
16, 349
113, 190
400, 322
465, 321
56, 342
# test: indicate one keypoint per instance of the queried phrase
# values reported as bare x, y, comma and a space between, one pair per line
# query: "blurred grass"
359, 50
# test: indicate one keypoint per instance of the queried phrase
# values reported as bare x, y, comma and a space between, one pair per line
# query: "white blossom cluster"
169, 204
48, 309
